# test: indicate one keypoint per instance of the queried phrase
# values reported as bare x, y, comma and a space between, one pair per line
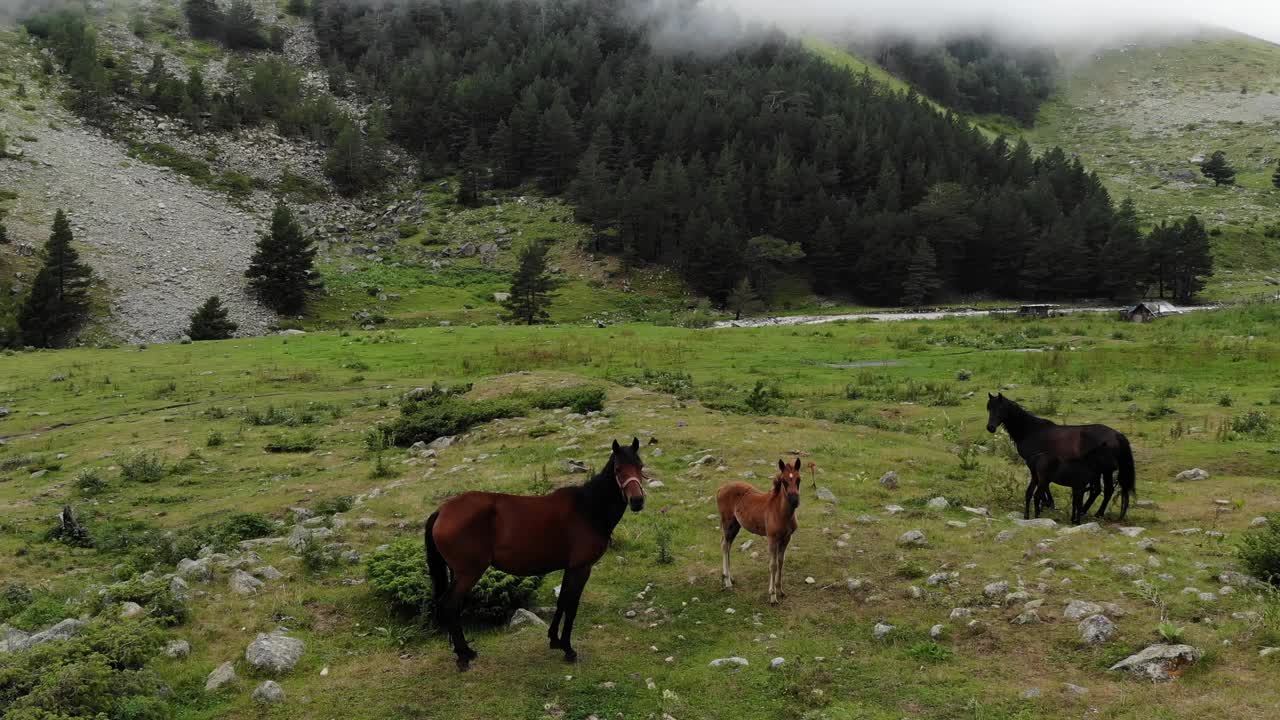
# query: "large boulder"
1096, 629
223, 675
16, 640
242, 583
1160, 663
913, 538
1081, 609
197, 570
274, 653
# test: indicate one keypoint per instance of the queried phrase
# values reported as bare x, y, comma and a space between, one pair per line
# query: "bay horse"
568, 530
1036, 436
772, 514
1080, 475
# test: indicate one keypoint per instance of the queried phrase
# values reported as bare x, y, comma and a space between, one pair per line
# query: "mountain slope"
1141, 114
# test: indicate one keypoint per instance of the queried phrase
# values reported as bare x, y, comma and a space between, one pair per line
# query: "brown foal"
771, 514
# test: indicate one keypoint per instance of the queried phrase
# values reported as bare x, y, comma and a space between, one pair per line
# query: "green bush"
89, 482
437, 412
143, 467
299, 444
238, 527
161, 604
1253, 422
398, 574
335, 505
1260, 550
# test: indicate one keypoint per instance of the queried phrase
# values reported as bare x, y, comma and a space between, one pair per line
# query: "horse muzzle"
991, 428
794, 500
637, 504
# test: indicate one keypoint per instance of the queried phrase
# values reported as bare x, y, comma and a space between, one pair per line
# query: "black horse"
1035, 436
1080, 475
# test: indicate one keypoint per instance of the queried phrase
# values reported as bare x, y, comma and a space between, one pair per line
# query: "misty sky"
1037, 19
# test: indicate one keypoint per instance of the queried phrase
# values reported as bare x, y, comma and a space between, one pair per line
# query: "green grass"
1092, 368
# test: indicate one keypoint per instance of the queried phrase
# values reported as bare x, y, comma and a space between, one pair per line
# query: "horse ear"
616, 446
990, 396
797, 464
635, 444
781, 465
1000, 395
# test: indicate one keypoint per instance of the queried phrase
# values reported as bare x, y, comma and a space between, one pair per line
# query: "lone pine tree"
1217, 169
59, 297
210, 322
280, 271
533, 287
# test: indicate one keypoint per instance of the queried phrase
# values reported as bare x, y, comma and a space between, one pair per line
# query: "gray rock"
1045, 523
267, 572
16, 640
1131, 531
197, 570
1031, 693
893, 509
1070, 689
179, 589
242, 583
1258, 522
1192, 475
576, 466
525, 617
1080, 609
777, 663
729, 662
1096, 629
979, 511
1157, 662
960, 613
941, 578
912, 538
299, 538
499, 297
957, 524
1239, 579
825, 495
269, 692
881, 630
1086, 529
223, 675
938, 503
1027, 617
130, 610
996, 589
889, 480
177, 649
1005, 536
441, 443
937, 631
274, 653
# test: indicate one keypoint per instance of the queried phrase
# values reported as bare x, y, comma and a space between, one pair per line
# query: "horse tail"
1128, 476
437, 568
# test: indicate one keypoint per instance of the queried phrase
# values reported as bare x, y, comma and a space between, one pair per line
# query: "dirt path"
784, 320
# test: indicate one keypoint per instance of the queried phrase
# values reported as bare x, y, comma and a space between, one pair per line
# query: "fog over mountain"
1033, 20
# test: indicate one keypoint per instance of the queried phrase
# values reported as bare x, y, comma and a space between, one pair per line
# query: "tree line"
972, 73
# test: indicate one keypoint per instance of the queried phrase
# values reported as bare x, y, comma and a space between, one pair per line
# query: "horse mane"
600, 501
1016, 415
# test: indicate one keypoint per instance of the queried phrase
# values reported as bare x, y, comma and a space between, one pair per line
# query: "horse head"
628, 471
997, 407
787, 482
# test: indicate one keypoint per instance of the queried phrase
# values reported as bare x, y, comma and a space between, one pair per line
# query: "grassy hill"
1140, 113
857, 399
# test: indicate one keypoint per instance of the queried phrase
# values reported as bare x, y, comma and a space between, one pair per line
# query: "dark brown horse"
772, 514
1036, 436
567, 530
1080, 475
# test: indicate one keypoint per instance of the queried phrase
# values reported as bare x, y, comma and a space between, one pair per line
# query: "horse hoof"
463, 664
557, 645
571, 656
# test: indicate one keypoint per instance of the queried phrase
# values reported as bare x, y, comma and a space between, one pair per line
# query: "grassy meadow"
856, 399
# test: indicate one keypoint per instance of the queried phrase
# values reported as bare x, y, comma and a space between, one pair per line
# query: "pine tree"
743, 299
823, 257
767, 257
1122, 262
59, 296
241, 27
922, 276
280, 271
347, 161
558, 149
10, 333
210, 322
297, 8
204, 18
532, 288
1194, 260
472, 173
1275, 178
1217, 169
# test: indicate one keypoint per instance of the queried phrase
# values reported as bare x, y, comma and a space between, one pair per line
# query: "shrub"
89, 482
1169, 632
215, 439
239, 527
333, 506
1260, 550
436, 412
1254, 422
398, 574
299, 444
143, 467
161, 604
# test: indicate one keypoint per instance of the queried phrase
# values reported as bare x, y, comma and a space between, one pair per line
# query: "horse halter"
622, 484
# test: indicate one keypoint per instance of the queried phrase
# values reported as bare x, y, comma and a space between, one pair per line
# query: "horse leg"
451, 614
1077, 501
1095, 489
782, 559
553, 632
1033, 489
730, 532
1124, 502
1108, 488
578, 578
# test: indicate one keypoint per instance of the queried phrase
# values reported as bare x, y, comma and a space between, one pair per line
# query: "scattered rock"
881, 630
1005, 536
1080, 609
130, 610
576, 466
269, 692
1192, 474
525, 617
1037, 523
996, 589
274, 653
1259, 521
1161, 662
177, 649
1087, 528
825, 495
912, 538
1031, 693
1070, 689
267, 572
1131, 531
889, 480
223, 675
729, 661
979, 511
242, 583
893, 509
16, 640
960, 613
777, 662
938, 503
440, 443
936, 631
1096, 629
1027, 617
